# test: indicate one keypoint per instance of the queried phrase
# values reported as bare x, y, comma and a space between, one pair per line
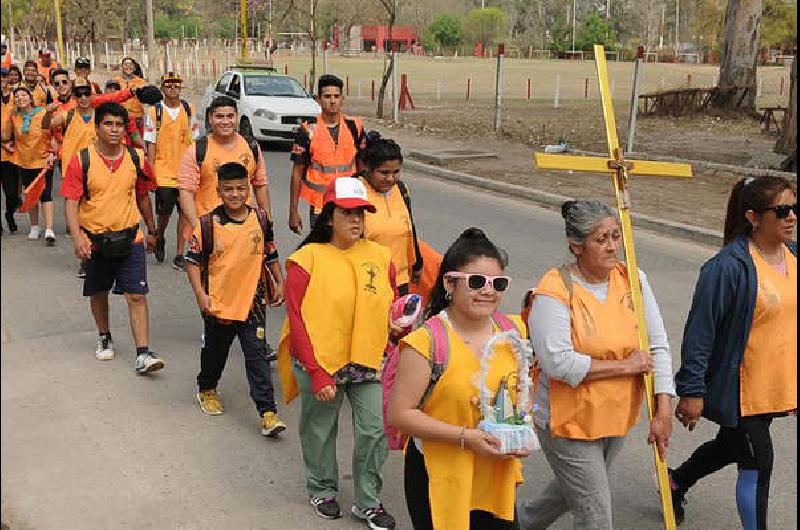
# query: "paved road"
89, 445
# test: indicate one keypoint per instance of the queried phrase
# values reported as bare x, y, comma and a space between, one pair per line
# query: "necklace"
764, 256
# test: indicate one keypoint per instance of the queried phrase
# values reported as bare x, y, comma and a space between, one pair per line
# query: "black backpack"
84, 158
201, 148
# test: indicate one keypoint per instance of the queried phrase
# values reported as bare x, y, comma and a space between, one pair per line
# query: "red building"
403, 38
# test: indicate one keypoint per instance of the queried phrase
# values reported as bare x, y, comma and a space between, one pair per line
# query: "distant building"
376, 38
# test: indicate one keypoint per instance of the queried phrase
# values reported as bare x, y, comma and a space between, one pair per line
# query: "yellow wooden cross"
620, 169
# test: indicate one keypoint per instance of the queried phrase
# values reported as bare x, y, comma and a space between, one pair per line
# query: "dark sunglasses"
782, 211
63, 82
82, 92
476, 282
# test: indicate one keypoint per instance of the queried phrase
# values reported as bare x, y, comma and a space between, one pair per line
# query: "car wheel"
245, 129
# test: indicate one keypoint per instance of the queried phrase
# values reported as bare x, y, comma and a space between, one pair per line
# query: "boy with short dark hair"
227, 263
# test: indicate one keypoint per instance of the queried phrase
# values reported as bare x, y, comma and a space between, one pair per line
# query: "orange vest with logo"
206, 198
768, 373
112, 196
390, 226
78, 135
31, 148
605, 331
329, 160
172, 139
133, 105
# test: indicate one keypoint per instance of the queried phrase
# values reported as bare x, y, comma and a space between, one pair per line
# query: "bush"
444, 32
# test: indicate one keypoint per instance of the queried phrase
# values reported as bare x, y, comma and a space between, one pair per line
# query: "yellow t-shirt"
768, 373
459, 480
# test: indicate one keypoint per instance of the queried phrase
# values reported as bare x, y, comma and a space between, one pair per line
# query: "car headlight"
264, 113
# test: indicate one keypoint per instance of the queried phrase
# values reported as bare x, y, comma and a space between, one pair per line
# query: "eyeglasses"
782, 211
476, 282
63, 82
82, 92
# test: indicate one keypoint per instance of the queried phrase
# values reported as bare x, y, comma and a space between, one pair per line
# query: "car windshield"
267, 85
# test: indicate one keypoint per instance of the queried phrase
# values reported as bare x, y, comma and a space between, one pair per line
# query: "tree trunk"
737, 76
387, 74
787, 143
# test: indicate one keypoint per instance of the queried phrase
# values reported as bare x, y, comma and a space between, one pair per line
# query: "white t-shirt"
150, 134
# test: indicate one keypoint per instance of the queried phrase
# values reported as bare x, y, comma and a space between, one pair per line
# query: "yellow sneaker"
209, 402
271, 425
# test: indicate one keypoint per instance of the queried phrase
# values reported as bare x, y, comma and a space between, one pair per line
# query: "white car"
271, 106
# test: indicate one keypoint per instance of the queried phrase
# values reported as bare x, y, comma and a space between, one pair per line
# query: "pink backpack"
440, 353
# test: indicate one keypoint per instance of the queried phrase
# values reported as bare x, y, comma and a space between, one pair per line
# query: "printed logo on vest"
258, 243
372, 272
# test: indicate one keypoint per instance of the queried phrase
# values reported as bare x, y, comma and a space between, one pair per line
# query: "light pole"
574, 4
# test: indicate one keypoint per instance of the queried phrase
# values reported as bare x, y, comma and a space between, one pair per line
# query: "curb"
665, 227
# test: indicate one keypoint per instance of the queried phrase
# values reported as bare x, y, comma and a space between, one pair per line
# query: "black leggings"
419, 503
749, 445
29, 175
10, 181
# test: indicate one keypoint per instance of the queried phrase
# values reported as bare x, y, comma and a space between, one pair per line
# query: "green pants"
319, 426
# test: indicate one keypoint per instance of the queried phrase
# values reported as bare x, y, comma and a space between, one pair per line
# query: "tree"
487, 26
446, 31
779, 24
392, 8
596, 31
787, 144
736, 89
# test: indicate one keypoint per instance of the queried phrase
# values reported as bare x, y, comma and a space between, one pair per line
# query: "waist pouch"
115, 244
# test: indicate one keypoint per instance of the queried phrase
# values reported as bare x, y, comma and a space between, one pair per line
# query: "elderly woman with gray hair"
589, 389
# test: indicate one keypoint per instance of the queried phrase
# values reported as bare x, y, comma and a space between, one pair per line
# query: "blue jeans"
214, 355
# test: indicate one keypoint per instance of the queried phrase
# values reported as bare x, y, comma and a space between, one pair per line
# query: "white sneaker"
35, 232
50, 238
105, 349
148, 362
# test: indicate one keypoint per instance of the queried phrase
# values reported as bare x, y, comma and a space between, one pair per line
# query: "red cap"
347, 192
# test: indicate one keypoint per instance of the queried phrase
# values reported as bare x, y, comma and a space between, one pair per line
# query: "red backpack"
440, 354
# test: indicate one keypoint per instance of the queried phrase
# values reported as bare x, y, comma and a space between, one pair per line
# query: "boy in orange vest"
169, 128
230, 251
323, 151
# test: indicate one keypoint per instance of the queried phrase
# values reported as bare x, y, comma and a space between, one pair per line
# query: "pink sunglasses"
476, 282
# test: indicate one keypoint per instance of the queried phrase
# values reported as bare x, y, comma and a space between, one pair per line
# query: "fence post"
347, 85
372, 91
438, 89
529, 89
783, 82
637, 83
285, 69
498, 88
689, 79
586, 88
469, 86
557, 91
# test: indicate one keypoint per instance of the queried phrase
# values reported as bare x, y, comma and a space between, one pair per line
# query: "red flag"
33, 192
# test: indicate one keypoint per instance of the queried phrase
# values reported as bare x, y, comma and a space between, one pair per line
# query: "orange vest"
112, 196
133, 105
7, 60
329, 160
390, 226
31, 148
605, 331
172, 139
234, 266
39, 94
206, 198
78, 135
44, 71
6, 110
768, 373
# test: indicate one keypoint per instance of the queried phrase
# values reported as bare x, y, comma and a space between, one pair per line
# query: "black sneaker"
678, 499
12, 223
159, 253
326, 507
376, 518
179, 264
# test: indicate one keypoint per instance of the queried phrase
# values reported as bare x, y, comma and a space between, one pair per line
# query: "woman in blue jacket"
742, 381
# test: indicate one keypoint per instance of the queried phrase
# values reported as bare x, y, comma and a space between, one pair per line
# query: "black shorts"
127, 275
167, 200
29, 175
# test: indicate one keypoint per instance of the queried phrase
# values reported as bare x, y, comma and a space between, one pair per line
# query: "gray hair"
581, 218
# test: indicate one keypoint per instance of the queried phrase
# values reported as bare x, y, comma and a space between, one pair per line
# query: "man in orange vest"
169, 128
8, 172
6, 59
30, 77
83, 67
323, 151
46, 65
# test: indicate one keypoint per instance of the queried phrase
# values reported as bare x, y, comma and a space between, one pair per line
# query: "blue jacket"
717, 330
